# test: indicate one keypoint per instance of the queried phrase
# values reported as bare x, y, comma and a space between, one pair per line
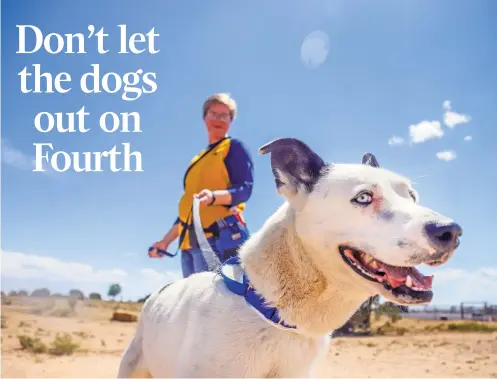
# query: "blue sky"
411, 81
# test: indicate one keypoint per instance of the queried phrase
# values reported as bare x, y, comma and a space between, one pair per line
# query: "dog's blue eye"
364, 198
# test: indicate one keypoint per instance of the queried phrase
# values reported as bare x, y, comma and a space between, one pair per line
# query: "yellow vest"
205, 172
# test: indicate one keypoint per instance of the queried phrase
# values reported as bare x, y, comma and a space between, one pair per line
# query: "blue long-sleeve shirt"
240, 168
241, 172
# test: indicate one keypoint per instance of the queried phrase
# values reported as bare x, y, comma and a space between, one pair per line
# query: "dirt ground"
425, 350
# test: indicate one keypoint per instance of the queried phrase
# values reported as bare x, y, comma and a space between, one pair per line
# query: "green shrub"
33, 345
95, 296
63, 345
471, 326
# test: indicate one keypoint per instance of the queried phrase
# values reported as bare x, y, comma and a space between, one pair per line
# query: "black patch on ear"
370, 160
296, 160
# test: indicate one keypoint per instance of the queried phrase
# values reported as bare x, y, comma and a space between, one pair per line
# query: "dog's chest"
290, 356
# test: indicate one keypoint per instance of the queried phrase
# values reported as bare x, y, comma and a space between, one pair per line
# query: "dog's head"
363, 223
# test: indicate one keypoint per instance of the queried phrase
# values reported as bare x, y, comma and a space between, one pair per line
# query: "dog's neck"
279, 267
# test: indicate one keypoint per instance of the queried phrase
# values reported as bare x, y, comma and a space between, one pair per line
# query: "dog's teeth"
409, 282
367, 258
373, 264
420, 289
362, 270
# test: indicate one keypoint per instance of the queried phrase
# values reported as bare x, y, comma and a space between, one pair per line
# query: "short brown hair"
221, 98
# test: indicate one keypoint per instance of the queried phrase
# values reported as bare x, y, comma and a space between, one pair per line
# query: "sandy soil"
419, 353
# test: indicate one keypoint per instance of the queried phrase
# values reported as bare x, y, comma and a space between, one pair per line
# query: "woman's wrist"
220, 197
213, 201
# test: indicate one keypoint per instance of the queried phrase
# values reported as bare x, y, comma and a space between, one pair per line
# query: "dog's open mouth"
406, 282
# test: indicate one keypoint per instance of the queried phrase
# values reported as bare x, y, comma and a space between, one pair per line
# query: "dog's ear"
370, 160
296, 168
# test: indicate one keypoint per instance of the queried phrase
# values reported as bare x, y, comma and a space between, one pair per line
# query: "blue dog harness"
251, 297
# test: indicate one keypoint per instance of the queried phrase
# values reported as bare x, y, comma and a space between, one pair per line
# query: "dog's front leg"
321, 365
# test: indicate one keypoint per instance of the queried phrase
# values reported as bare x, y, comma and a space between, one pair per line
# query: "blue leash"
243, 288
162, 252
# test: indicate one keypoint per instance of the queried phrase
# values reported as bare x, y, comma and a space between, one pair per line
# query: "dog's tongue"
397, 276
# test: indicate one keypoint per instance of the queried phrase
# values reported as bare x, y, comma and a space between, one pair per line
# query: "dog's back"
197, 327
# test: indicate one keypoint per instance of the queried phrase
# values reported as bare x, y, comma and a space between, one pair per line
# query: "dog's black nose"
443, 236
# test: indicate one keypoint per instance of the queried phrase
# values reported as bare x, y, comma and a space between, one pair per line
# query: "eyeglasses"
219, 116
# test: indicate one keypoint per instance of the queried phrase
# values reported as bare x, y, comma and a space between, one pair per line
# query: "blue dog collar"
251, 297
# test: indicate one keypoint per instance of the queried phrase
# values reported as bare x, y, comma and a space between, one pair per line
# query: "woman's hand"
163, 245
206, 197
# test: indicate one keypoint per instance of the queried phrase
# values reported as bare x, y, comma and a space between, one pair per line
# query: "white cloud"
468, 138
453, 286
395, 140
451, 118
22, 161
16, 158
31, 268
447, 105
156, 279
425, 130
490, 271
27, 266
449, 274
447, 155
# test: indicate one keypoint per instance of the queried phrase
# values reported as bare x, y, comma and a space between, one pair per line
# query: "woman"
221, 176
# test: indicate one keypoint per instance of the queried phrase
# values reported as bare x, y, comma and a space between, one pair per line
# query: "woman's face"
217, 120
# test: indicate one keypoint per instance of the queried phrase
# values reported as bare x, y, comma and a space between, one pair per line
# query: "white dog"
345, 233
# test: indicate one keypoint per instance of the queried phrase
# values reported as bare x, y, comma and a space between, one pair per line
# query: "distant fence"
478, 311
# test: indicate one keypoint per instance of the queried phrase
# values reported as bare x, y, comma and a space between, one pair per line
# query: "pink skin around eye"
377, 199
377, 203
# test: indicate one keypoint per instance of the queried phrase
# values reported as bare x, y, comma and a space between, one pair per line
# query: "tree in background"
114, 290
360, 321
77, 294
41, 292
95, 296
374, 301
390, 310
